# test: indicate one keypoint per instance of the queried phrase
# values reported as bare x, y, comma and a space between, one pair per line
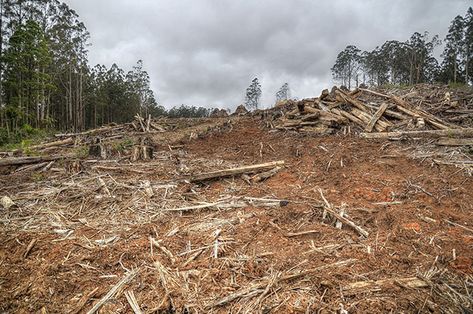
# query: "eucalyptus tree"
283, 93
347, 66
454, 49
253, 94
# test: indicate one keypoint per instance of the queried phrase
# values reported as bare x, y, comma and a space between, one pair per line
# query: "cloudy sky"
206, 52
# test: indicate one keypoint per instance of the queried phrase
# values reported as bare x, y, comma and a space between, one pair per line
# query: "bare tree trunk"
70, 117
1, 55
455, 70
467, 74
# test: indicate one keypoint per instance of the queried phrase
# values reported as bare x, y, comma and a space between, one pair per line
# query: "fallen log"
94, 131
235, 171
365, 117
349, 116
467, 132
408, 109
14, 161
447, 141
265, 175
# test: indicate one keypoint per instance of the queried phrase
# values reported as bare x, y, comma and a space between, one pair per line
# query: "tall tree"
420, 51
283, 93
253, 94
26, 82
347, 65
454, 50
468, 24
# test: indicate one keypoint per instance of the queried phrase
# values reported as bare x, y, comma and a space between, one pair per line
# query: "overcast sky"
206, 52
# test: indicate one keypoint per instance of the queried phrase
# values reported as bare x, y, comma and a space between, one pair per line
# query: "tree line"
45, 78
412, 61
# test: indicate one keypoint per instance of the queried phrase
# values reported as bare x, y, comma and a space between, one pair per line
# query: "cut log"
113, 128
265, 175
390, 113
13, 161
142, 152
365, 117
447, 141
350, 100
405, 107
467, 132
66, 141
236, 171
349, 116
321, 130
376, 116
98, 150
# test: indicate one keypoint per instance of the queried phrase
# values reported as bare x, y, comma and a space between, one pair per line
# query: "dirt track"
409, 237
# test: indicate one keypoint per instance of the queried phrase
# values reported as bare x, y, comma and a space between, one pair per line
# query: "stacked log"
362, 109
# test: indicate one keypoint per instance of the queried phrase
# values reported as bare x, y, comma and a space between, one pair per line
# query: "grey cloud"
206, 52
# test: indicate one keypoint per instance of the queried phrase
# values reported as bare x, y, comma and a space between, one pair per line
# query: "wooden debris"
15, 161
410, 282
168, 253
376, 117
29, 248
265, 175
130, 297
422, 134
83, 301
296, 234
257, 288
448, 141
235, 171
124, 281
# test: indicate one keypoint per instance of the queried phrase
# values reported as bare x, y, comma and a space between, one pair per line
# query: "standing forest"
48, 84
412, 61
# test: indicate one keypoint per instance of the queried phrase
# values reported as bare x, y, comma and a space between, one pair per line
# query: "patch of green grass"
81, 152
22, 138
122, 145
36, 176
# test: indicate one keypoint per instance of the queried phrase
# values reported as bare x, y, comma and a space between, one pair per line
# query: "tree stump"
97, 149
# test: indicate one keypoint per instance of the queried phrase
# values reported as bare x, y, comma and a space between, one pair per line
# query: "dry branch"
125, 280
13, 161
446, 141
235, 171
467, 132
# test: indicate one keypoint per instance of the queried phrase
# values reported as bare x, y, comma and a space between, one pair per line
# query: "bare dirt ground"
68, 242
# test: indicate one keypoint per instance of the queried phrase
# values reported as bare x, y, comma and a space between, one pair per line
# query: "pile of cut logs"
370, 113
